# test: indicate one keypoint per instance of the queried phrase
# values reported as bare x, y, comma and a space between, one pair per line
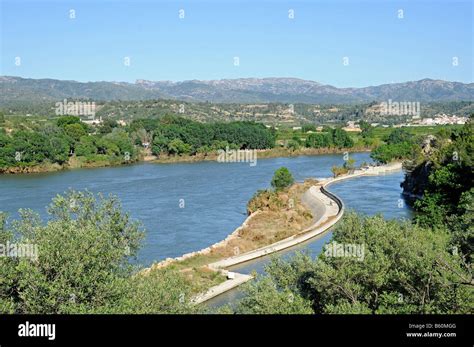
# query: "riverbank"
81, 163
279, 152
73, 164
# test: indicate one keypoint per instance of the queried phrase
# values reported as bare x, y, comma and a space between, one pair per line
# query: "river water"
189, 206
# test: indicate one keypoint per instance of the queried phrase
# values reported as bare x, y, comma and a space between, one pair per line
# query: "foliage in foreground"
82, 263
405, 269
442, 178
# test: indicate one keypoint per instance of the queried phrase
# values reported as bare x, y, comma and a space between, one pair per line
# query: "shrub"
282, 178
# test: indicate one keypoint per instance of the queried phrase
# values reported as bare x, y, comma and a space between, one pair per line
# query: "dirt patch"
281, 215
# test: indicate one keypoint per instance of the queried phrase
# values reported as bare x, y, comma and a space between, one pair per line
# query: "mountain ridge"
239, 90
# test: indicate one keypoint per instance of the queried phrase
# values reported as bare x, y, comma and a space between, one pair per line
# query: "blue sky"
380, 47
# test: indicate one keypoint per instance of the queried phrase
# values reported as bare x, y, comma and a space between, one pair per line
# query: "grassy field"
380, 133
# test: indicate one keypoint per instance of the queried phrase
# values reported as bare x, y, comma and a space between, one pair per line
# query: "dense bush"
330, 138
282, 178
55, 143
404, 269
390, 152
319, 140
82, 263
445, 171
400, 144
341, 138
188, 137
398, 135
25, 148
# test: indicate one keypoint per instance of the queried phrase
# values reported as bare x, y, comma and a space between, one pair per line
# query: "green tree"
441, 177
236, 135
86, 146
108, 126
67, 120
83, 263
58, 149
367, 130
308, 127
75, 131
178, 147
399, 135
264, 297
121, 140
82, 257
31, 146
389, 152
319, 140
160, 145
282, 179
159, 291
341, 139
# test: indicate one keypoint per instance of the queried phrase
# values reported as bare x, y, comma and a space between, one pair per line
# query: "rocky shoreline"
203, 251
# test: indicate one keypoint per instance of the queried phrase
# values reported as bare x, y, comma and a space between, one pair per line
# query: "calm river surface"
189, 206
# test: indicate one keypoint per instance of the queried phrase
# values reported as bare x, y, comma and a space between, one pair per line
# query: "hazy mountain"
242, 90
16, 88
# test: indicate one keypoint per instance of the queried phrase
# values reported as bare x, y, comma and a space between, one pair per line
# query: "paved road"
316, 207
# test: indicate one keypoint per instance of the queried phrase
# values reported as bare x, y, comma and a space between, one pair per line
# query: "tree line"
57, 141
327, 138
173, 135
399, 144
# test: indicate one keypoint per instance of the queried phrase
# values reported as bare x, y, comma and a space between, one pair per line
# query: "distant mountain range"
242, 90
